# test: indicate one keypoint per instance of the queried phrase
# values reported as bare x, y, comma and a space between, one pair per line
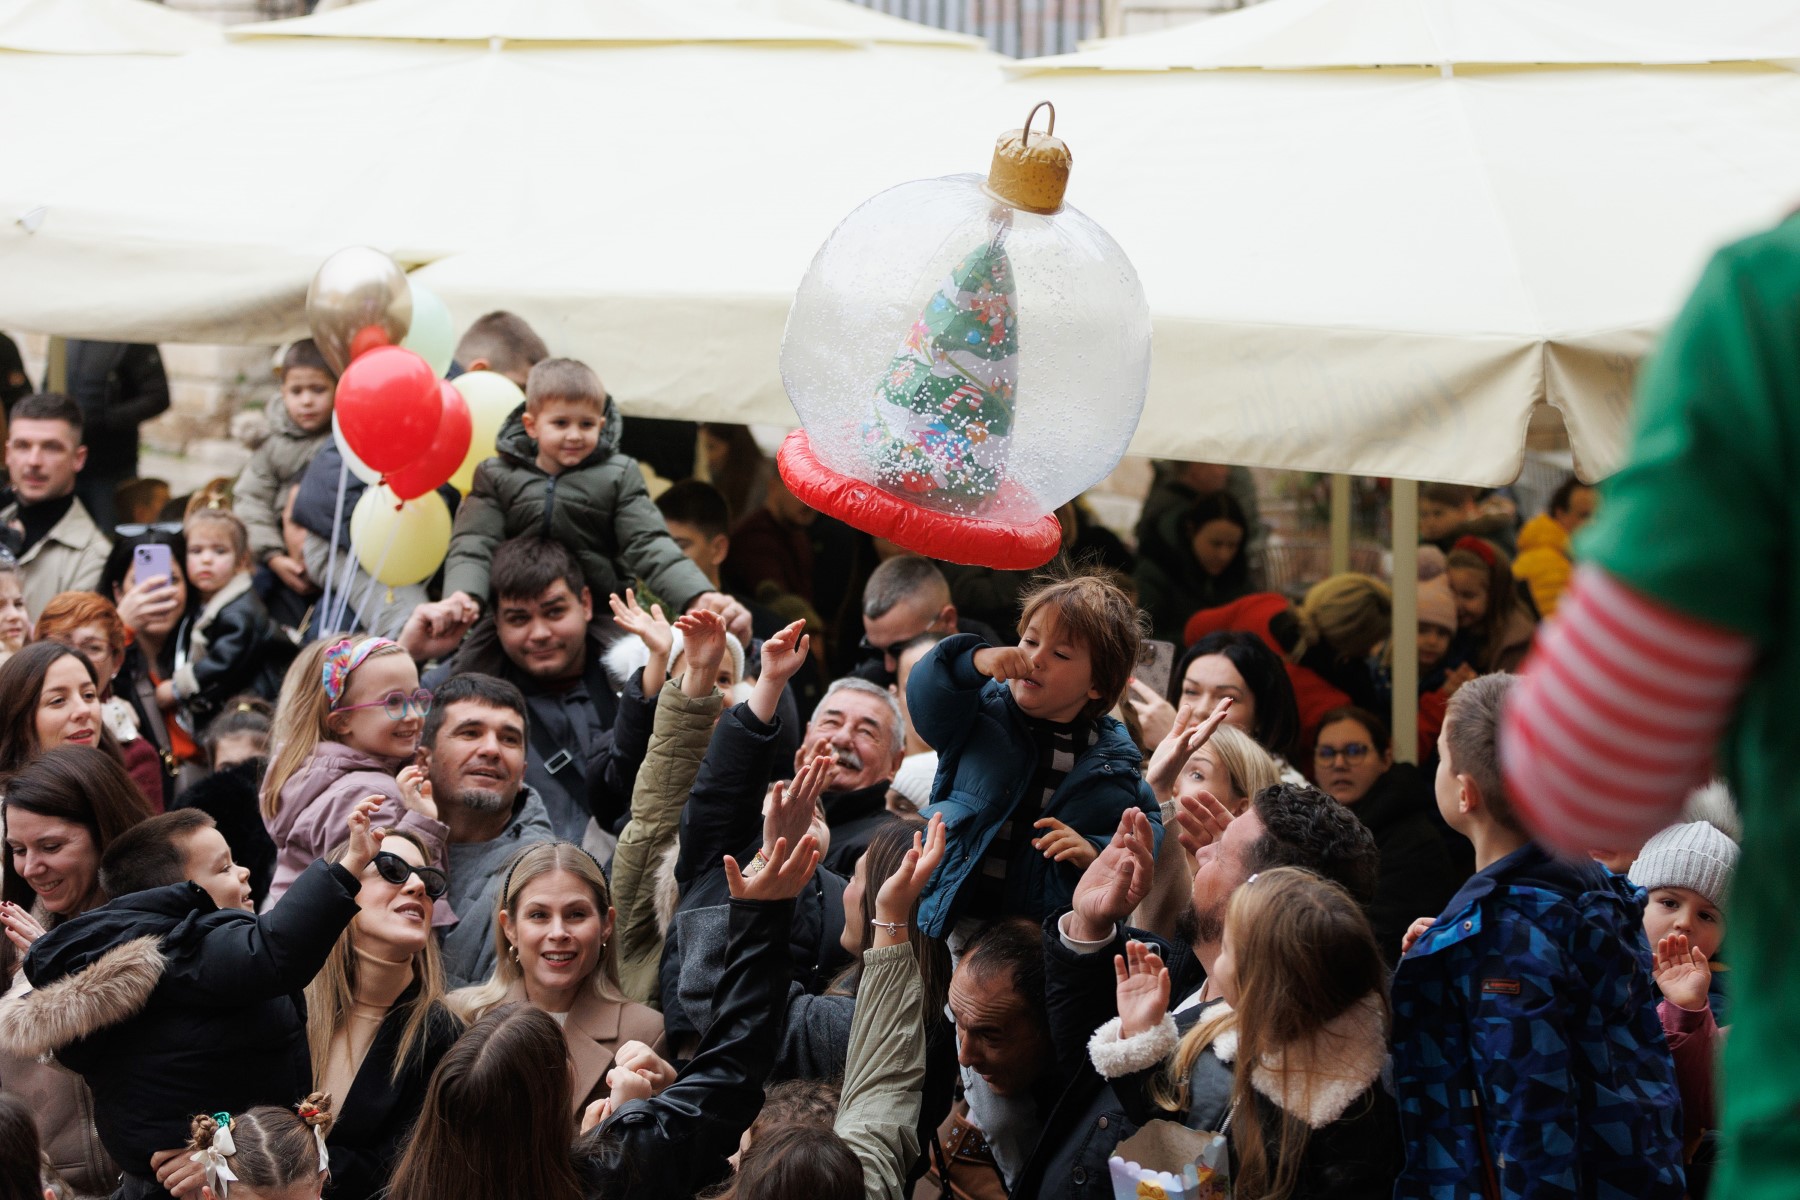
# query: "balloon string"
375, 575
337, 520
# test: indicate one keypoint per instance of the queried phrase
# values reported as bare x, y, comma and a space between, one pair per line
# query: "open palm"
1143, 989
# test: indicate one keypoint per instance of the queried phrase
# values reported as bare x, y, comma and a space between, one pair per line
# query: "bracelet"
894, 927
756, 864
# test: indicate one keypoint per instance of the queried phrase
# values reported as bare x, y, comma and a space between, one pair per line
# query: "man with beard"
1286, 825
473, 751
541, 638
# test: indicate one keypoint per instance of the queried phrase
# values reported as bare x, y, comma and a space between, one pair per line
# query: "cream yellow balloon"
397, 543
492, 398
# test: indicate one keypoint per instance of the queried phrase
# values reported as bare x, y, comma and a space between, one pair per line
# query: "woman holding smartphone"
143, 577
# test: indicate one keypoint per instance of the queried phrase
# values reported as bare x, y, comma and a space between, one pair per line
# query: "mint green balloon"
433, 335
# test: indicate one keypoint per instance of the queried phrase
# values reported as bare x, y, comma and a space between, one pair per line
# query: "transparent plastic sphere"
968, 356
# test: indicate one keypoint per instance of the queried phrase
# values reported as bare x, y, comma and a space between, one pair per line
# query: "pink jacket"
315, 809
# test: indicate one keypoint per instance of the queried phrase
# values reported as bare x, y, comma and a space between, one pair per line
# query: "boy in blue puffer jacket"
1025, 743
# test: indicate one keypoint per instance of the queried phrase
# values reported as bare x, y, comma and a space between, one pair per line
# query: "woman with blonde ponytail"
265, 1154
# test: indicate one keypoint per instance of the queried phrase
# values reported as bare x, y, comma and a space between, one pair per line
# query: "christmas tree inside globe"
966, 355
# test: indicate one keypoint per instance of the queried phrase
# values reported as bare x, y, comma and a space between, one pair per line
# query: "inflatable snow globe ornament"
966, 355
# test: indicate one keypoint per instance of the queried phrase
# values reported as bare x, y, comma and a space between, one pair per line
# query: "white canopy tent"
100, 27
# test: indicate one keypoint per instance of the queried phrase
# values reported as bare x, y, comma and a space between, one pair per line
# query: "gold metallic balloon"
358, 300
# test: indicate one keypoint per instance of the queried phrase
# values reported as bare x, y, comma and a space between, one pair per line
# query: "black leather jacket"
680, 1142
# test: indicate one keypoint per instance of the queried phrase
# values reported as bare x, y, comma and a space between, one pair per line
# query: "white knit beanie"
1695, 856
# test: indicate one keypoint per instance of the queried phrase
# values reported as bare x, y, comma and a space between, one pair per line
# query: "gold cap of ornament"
1031, 171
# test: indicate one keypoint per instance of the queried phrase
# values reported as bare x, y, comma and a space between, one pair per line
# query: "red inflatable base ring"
914, 527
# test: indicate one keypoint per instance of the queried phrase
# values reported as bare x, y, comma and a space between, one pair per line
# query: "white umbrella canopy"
616, 22
102, 27
1314, 34
426, 149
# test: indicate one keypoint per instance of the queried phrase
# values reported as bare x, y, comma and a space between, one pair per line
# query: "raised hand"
783, 875
1116, 882
782, 657
1155, 715
21, 927
1184, 740
1062, 844
1414, 932
792, 805
415, 791
1143, 989
365, 840
735, 615
702, 649
1200, 820
1003, 662
901, 890
1682, 972
651, 628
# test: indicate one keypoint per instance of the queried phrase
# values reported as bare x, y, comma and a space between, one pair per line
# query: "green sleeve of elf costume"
1700, 517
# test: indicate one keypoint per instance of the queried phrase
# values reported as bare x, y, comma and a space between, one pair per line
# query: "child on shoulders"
1025, 743
558, 472
299, 424
348, 721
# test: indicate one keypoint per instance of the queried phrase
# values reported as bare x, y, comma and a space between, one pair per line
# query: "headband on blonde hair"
343, 657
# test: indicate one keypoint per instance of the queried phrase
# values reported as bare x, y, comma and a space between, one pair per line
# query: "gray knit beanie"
1695, 856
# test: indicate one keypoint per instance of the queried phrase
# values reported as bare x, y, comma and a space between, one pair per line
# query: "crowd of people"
679, 840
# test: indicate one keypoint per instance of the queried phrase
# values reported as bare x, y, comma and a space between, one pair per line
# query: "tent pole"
1406, 620
1340, 524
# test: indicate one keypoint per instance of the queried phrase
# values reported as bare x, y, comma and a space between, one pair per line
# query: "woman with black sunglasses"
376, 1022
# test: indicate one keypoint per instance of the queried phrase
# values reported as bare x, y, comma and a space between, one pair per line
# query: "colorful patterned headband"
343, 657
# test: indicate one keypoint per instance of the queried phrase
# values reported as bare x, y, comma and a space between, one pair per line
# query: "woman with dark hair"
495, 1122
1242, 668
1206, 564
50, 697
21, 1161
152, 610
62, 811
736, 465
88, 622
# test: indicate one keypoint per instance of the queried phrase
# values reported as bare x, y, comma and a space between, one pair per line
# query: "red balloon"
388, 407
448, 448
368, 338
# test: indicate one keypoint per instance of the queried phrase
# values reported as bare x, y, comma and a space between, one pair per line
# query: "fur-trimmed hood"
1344, 1059
114, 988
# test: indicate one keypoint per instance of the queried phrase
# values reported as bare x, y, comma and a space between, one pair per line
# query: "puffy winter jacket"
168, 1006
1543, 561
315, 805
600, 509
261, 488
1528, 1057
986, 760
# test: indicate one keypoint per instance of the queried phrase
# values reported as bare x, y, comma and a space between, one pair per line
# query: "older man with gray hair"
858, 724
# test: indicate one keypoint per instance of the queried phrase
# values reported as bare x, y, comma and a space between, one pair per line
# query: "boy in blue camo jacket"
1528, 1057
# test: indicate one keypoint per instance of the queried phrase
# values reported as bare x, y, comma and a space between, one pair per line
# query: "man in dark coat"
119, 386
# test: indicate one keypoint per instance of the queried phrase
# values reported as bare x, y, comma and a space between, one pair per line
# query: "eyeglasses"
870, 649
139, 530
1352, 754
397, 871
398, 704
